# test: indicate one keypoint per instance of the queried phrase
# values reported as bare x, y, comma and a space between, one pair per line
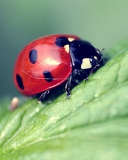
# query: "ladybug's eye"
93, 61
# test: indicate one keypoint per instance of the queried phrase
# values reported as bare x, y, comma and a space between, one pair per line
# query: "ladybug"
47, 62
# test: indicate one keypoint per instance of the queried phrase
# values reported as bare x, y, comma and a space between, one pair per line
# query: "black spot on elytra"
19, 81
61, 41
48, 76
33, 56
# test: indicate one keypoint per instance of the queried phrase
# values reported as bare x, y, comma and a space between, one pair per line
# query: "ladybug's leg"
92, 69
68, 86
76, 73
42, 96
80, 75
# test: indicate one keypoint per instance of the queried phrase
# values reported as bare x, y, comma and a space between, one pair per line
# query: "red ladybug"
49, 61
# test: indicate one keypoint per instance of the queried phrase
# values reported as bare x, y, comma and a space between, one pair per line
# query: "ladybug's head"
93, 62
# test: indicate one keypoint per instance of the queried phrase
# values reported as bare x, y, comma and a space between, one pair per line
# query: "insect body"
49, 61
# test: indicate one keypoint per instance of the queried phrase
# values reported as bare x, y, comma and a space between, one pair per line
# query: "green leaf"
117, 49
92, 124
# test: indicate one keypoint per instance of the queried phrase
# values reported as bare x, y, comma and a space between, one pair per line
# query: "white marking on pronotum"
86, 63
71, 39
66, 47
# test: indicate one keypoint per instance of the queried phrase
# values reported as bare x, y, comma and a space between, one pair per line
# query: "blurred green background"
102, 22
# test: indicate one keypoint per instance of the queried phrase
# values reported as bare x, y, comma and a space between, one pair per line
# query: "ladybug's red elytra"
47, 62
